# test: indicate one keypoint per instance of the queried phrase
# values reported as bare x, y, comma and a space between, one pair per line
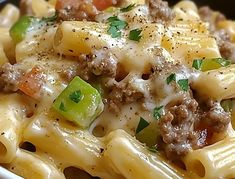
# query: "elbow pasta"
141, 66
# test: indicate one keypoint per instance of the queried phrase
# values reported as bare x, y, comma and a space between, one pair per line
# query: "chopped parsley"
142, 124
62, 107
183, 83
115, 26
170, 78
76, 96
157, 112
128, 8
135, 35
153, 149
197, 64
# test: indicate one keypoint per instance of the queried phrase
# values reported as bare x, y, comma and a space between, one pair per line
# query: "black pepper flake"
2, 133
73, 30
101, 150
71, 50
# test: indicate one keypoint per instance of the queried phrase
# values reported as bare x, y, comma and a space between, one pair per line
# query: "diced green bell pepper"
21, 27
25, 24
79, 103
214, 63
229, 106
98, 87
149, 134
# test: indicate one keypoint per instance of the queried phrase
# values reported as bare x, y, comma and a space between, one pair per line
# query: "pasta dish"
116, 89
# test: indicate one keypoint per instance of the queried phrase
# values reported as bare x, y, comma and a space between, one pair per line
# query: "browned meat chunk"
76, 10
9, 78
26, 7
177, 128
100, 63
160, 11
216, 118
184, 124
122, 93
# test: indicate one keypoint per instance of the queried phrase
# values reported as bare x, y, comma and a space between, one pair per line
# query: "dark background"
225, 6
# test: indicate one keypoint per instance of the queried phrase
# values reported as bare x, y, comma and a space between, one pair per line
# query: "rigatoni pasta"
11, 119
213, 161
9, 15
32, 165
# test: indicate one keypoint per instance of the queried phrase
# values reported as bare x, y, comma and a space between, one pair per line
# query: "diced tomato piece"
31, 82
102, 4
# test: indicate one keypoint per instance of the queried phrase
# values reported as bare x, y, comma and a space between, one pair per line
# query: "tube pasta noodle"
221, 84
213, 161
42, 8
129, 157
186, 10
82, 149
30, 165
3, 58
84, 38
7, 43
116, 90
11, 120
9, 15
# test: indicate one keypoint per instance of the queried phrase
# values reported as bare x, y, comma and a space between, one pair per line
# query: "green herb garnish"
128, 8
170, 78
76, 96
115, 26
153, 149
183, 83
62, 107
135, 35
157, 112
142, 124
197, 64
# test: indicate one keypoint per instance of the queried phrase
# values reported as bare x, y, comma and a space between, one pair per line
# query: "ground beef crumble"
122, 93
99, 63
160, 11
181, 126
76, 10
9, 77
26, 7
